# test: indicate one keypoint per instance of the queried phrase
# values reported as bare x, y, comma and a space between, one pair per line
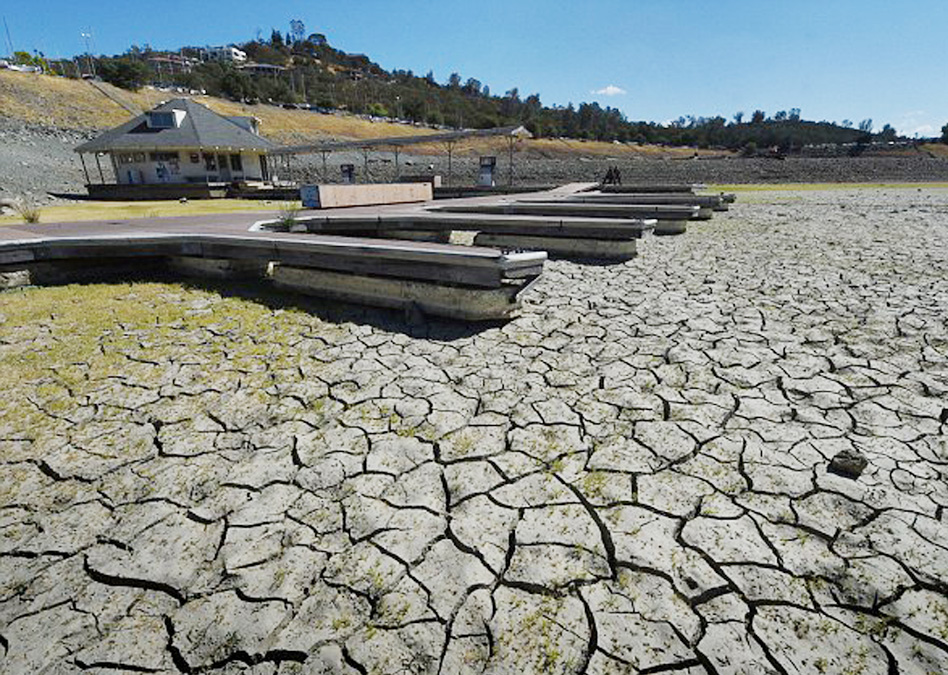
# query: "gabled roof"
201, 128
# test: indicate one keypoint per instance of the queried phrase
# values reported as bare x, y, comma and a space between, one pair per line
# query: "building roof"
201, 129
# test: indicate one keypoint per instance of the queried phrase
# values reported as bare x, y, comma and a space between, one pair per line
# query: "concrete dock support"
562, 247
218, 268
442, 237
453, 302
667, 227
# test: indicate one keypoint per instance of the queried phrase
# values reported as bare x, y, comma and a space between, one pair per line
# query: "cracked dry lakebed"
632, 476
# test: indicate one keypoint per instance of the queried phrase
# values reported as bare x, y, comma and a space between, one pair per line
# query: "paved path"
631, 477
236, 222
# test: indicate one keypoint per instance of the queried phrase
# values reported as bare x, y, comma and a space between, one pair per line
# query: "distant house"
173, 63
261, 68
228, 54
181, 142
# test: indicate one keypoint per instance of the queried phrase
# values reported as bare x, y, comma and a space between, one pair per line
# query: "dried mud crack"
633, 476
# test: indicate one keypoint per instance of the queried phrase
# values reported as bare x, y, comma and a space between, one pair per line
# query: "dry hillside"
78, 105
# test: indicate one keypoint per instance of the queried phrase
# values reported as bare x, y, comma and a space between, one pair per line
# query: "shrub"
28, 211
288, 213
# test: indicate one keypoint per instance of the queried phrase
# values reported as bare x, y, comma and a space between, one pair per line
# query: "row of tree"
313, 71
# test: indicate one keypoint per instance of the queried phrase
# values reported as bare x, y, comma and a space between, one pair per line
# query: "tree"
276, 38
758, 117
124, 72
888, 133
944, 134
794, 114
378, 110
472, 87
866, 125
238, 86
297, 30
738, 117
22, 59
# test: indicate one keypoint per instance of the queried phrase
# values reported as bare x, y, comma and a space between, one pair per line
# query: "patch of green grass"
70, 336
780, 187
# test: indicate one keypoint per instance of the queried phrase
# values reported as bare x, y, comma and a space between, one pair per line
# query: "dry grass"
147, 209
567, 149
29, 212
935, 149
57, 101
553, 147
75, 104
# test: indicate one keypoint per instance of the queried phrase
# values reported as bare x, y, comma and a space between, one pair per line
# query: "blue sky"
659, 59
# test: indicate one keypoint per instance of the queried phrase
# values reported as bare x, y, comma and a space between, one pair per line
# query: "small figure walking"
613, 177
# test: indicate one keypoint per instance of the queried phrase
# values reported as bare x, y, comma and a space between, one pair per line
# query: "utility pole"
9, 41
87, 37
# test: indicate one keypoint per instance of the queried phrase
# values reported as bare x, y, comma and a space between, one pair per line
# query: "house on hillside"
261, 68
171, 63
228, 54
181, 148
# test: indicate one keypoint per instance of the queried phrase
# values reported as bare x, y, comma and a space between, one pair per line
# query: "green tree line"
311, 71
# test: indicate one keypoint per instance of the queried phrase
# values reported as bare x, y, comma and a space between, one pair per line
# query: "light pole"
87, 37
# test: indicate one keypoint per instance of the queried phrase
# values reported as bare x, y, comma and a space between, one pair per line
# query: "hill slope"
76, 105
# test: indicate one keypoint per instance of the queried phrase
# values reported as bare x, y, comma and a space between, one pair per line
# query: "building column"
98, 164
84, 169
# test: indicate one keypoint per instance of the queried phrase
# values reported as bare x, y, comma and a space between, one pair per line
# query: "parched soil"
632, 476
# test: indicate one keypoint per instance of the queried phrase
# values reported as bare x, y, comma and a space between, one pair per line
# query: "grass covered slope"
56, 102
78, 105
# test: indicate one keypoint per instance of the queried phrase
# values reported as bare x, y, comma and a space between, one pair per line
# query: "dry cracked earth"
630, 477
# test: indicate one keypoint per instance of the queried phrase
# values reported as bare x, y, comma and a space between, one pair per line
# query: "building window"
161, 120
235, 163
210, 162
130, 157
164, 157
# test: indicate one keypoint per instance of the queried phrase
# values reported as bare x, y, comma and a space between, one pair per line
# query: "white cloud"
916, 123
611, 90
